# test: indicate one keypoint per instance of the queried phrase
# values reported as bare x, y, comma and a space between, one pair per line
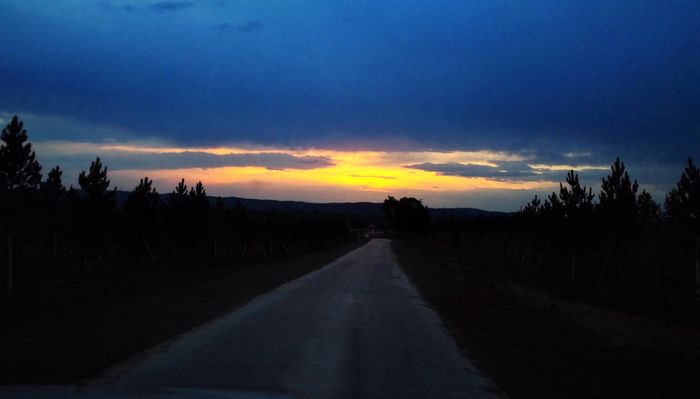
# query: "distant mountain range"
368, 209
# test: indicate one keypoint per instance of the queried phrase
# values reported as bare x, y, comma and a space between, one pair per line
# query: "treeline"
46, 226
616, 248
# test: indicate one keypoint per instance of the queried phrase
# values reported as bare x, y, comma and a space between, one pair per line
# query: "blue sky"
595, 79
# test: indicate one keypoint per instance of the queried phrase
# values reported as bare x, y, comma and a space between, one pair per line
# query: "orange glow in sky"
347, 175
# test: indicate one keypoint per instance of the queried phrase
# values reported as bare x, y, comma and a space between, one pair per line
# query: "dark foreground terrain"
61, 334
534, 346
355, 328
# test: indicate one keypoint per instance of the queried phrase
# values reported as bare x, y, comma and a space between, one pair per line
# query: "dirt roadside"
63, 335
533, 346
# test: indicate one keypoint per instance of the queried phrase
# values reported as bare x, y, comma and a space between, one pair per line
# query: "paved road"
354, 329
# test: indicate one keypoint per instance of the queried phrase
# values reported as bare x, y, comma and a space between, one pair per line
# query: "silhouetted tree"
19, 169
618, 210
683, 202
406, 214
98, 215
532, 208
577, 205
94, 184
618, 198
19, 178
552, 207
390, 208
198, 196
53, 195
179, 198
531, 213
648, 210
683, 207
141, 208
144, 198
53, 190
576, 201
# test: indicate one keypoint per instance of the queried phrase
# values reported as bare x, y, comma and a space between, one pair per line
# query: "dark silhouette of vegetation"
620, 251
95, 184
19, 178
49, 231
683, 208
19, 169
407, 215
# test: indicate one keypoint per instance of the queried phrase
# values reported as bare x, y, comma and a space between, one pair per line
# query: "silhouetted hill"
369, 209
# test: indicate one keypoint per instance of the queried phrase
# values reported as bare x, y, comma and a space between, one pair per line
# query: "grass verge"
534, 346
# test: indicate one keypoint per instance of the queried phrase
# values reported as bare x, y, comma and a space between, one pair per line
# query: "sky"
461, 103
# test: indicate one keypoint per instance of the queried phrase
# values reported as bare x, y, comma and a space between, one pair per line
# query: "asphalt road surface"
355, 328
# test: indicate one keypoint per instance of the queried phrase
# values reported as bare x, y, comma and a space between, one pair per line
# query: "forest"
49, 230
618, 249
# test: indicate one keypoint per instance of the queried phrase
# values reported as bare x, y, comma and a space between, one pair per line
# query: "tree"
53, 195
19, 169
647, 209
95, 183
683, 207
552, 207
144, 197
141, 209
618, 196
19, 178
198, 197
576, 201
406, 214
577, 206
53, 189
179, 198
683, 202
532, 208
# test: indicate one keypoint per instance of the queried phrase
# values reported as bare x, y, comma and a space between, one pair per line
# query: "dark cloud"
607, 78
193, 159
121, 160
250, 26
170, 5
504, 170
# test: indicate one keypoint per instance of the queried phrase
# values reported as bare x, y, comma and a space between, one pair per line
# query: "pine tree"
53, 194
577, 205
552, 206
179, 198
198, 197
576, 201
19, 169
647, 209
618, 197
19, 178
144, 197
683, 207
142, 222
95, 183
53, 189
683, 202
532, 208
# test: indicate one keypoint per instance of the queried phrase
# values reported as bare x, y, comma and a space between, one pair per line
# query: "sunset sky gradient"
474, 103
